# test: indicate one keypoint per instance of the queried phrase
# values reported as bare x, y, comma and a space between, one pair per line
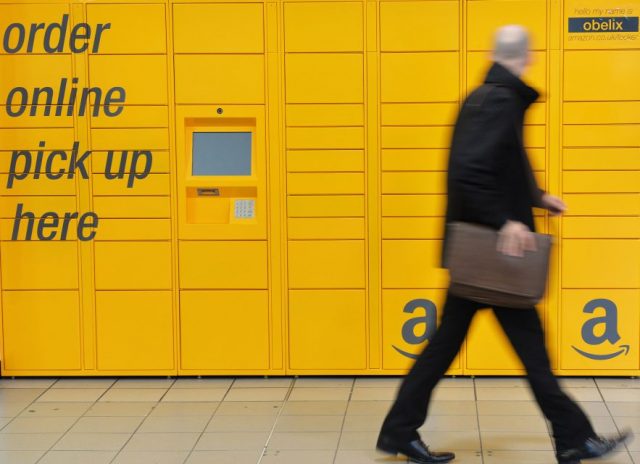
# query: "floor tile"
27, 383
623, 409
309, 424
378, 382
274, 382
322, 382
4, 421
615, 458
197, 395
531, 424
516, 441
184, 408
304, 441
20, 395
373, 394
368, 408
604, 425
78, 457
133, 395
452, 408
162, 442
56, 410
367, 456
358, 440
519, 457
107, 425
353, 423
222, 457
501, 382
453, 394
71, 394
257, 394
241, 423
508, 408
12, 409
450, 424
635, 456
255, 408
447, 441
632, 423
584, 394
228, 441
92, 441
577, 382
152, 457
618, 383
144, 383
504, 394
315, 408
28, 441
631, 395
203, 383
84, 383
120, 409
320, 394
20, 457
595, 409
39, 425
298, 456
174, 424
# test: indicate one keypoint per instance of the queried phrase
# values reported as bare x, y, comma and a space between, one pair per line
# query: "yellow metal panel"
134, 229
603, 316
610, 135
487, 16
411, 114
605, 204
488, 347
601, 181
132, 139
15, 12
134, 116
323, 183
29, 71
7, 225
412, 228
414, 182
41, 186
219, 79
601, 158
405, 325
414, 159
221, 28
323, 27
160, 162
132, 207
324, 78
326, 228
325, 160
413, 205
536, 114
618, 72
478, 64
534, 136
40, 120
412, 264
434, 77
315, 313
133, 265
537, 158
416, 137
223, 265
37, 265
35, 205
601, 227
327, 264
134, 330
41, 330
325, 206
325, 137
29, 139
600, 263
224, 330
134, 28
619, 112
325, 115
154, 184
419, 26
132, 73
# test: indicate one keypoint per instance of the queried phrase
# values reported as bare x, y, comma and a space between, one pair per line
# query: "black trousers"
571, 427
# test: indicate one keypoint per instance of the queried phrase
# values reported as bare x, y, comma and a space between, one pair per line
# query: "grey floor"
285, 420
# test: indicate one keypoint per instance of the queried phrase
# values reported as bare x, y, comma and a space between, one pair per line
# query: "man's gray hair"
511, 46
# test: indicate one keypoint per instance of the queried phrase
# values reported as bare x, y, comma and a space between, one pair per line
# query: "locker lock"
219, 111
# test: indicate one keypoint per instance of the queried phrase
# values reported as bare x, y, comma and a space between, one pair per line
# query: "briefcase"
479, 272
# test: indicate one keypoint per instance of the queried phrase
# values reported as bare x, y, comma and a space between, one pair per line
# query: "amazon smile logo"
606, 326
412, 333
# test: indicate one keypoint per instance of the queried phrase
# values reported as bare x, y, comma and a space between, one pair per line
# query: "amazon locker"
257, 188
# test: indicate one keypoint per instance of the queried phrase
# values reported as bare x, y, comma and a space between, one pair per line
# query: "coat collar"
500, 75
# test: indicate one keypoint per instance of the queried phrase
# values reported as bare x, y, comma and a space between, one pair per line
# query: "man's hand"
515, 238
553, 204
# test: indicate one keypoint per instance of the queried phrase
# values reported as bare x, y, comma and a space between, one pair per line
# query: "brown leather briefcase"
479, 272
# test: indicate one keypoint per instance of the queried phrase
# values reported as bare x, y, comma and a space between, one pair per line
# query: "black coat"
489, 178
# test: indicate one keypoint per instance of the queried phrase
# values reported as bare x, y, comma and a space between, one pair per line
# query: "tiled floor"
284, 420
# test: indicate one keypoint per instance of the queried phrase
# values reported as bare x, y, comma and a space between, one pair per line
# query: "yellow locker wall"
352, 105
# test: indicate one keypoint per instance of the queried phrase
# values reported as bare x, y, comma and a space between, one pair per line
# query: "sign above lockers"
594, 24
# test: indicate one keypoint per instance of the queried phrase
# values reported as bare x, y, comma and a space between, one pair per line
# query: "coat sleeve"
490, 140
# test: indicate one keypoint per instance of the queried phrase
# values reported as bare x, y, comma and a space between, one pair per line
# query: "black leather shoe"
415, 450
593, 448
